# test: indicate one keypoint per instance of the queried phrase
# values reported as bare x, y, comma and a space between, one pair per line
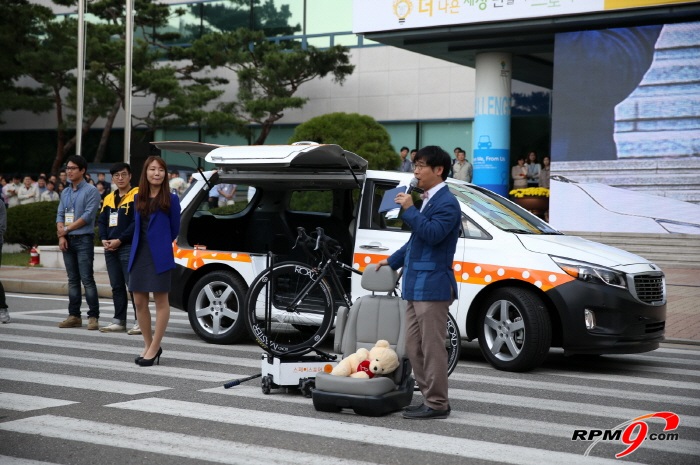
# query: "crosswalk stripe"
170, 329
346, 431
162, 442
665, 383
176, 317
584, 390
578, 408
167, 340
7, 460
121, 349
25, 403
78, 382
100, 364
532, 403
676, 360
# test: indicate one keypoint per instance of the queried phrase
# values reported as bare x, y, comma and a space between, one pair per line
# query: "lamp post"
81, 79
128, 53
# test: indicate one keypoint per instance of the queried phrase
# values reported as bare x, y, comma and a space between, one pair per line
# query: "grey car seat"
371, 318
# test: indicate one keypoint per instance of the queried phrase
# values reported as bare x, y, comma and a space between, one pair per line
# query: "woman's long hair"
162, 199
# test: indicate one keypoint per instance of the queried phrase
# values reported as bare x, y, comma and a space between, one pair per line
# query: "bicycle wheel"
270, 318
453, 344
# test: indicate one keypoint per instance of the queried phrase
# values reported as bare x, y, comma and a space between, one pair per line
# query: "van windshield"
500, 213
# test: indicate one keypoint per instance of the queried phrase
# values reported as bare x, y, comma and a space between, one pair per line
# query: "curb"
49, 287
675, 340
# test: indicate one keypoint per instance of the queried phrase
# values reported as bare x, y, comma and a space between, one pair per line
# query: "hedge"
34, 224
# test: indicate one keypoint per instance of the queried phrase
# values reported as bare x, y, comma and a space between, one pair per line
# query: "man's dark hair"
403, 148
117, 167
79, 161
434, 156
175, 172
458, 149
16, 176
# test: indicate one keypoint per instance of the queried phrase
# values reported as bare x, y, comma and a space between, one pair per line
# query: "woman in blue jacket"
156, 225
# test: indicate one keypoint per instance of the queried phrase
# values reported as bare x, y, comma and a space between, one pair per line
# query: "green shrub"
32, 224
359, 134
35, 224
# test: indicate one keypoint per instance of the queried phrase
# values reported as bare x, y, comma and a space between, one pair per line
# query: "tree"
21, 23
269, 73
356, 133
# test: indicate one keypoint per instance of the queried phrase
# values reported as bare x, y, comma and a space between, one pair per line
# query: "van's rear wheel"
214, 308
515, 331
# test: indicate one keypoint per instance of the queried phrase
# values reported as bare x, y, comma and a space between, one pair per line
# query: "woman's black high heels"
148, 362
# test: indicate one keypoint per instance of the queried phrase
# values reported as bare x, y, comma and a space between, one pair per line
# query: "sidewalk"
682, 319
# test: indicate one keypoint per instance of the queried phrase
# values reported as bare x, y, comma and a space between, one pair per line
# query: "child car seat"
371, 318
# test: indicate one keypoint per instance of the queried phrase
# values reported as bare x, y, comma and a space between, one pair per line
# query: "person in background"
226, 193
405, 163
519, 174
116, 226
62, 177
50, 194
214, 195
27, 192
4, 312
101, 189
75, 220
102, 179
177, 184
3, 183
461, 168
156, 225
11, 190
428, 282
544, 173
533, 170
60, 187
40, 187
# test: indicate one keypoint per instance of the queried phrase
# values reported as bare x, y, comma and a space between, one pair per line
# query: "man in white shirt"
28, 192
11, 189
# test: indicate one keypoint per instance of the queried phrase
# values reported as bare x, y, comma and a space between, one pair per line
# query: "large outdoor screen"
626, 130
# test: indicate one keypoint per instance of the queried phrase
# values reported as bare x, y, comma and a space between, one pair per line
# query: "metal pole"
128, 53
81, 79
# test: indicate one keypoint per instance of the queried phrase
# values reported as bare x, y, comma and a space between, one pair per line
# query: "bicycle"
291, 306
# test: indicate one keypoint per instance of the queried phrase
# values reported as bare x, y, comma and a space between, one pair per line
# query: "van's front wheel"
214, 308
515, 331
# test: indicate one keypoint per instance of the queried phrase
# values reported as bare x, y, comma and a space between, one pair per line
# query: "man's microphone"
413, 187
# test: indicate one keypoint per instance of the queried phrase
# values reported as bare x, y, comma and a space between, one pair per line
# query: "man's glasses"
71, 168
420, 166
120, 175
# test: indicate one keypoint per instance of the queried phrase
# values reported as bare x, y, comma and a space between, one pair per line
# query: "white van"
523, 286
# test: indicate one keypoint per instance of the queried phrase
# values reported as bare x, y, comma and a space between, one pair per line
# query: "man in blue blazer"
429, 283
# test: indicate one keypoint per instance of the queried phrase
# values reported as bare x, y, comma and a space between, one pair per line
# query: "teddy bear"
380, 360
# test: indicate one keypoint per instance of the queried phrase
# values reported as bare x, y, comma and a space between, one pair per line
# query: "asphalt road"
73, 396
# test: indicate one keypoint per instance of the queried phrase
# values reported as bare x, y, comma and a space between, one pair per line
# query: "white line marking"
24, 403
78, 382
111, 366
163, 442
344, 431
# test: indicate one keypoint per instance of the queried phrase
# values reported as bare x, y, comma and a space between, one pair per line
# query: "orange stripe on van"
481, 274
195, 258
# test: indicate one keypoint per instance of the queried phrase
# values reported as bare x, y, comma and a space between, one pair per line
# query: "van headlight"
591, 273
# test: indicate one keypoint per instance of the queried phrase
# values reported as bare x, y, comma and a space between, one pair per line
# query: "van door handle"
374, 246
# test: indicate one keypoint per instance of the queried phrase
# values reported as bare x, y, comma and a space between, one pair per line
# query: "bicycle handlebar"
320, 242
